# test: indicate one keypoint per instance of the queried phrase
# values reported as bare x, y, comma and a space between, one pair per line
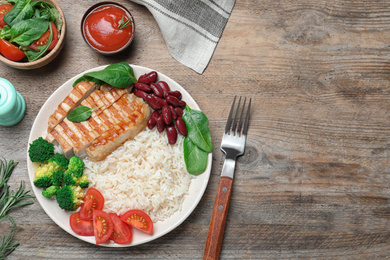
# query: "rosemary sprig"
10, 199
6, 247
123, 24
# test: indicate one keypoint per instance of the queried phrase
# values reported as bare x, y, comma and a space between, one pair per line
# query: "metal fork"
233, 145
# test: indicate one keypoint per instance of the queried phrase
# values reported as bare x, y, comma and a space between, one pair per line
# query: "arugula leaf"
22, 10
120, 75
80, 114
27, 31
35, 55
198, 129
194, 157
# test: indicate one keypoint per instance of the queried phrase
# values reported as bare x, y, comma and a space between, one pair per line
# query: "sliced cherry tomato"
122, 233
81, 227
93, 200
102, 226
44, 39
10, 51
3, 10
138, 219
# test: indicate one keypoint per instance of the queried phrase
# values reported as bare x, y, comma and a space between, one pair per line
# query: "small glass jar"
12, 104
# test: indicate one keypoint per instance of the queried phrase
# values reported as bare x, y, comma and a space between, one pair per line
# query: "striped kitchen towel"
191, 28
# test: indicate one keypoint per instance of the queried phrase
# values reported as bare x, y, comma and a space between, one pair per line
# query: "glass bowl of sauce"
108, 27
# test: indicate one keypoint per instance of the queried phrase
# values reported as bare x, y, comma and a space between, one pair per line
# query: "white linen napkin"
191, 28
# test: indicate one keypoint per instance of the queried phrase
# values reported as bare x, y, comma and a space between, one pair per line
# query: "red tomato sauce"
101, 28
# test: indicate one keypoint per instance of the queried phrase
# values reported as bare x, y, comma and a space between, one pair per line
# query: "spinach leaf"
49, 12
194, 157
22, 10
26, 31
80, 114
198, 129
35, 55
120, 75
5, 33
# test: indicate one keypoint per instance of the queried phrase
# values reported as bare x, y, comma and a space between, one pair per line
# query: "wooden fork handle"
218, 219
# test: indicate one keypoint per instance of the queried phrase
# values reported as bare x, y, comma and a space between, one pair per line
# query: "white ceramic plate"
61, 217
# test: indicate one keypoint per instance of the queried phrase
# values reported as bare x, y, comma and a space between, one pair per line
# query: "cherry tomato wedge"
44, 39
10, 51
3, 10
93, 200
139, 220
81, 227
121, 233
102, 226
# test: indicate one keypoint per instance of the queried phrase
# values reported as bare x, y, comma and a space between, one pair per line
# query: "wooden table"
315, 179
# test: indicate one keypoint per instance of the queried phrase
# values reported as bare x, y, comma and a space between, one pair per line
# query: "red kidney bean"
182, 103
181, 126
166, 115
142, 86
160, 124
153, 120
172, 100
172, 134
178, 111
164, 86
140, 94
173, 112
157, 90
152, 123
175, 93
148, 78
154, 102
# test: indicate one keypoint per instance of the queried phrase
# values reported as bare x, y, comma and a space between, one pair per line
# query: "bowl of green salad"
32, 33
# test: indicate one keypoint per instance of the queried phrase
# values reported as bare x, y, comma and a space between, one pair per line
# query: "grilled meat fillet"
81, 91
131, 116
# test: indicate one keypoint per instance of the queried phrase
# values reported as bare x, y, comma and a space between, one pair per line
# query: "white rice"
145, 173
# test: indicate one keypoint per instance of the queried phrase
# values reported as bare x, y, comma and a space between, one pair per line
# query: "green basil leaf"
194, 157
22, 10
35, 55
79, 114
27, 31
198, 129
120, 75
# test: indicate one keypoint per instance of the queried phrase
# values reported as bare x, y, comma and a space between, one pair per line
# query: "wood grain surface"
314, 182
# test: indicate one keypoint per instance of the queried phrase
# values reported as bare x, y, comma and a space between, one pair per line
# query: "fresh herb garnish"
80, 114
197, 144
120, 75
6, 247
123, 24
10, 200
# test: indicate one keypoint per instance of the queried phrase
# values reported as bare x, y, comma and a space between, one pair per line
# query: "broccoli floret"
69, 179
76, 166
69, 197
44, 174
61, 161
58, 177
50, 192
83, 181
40, 150
43, 181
